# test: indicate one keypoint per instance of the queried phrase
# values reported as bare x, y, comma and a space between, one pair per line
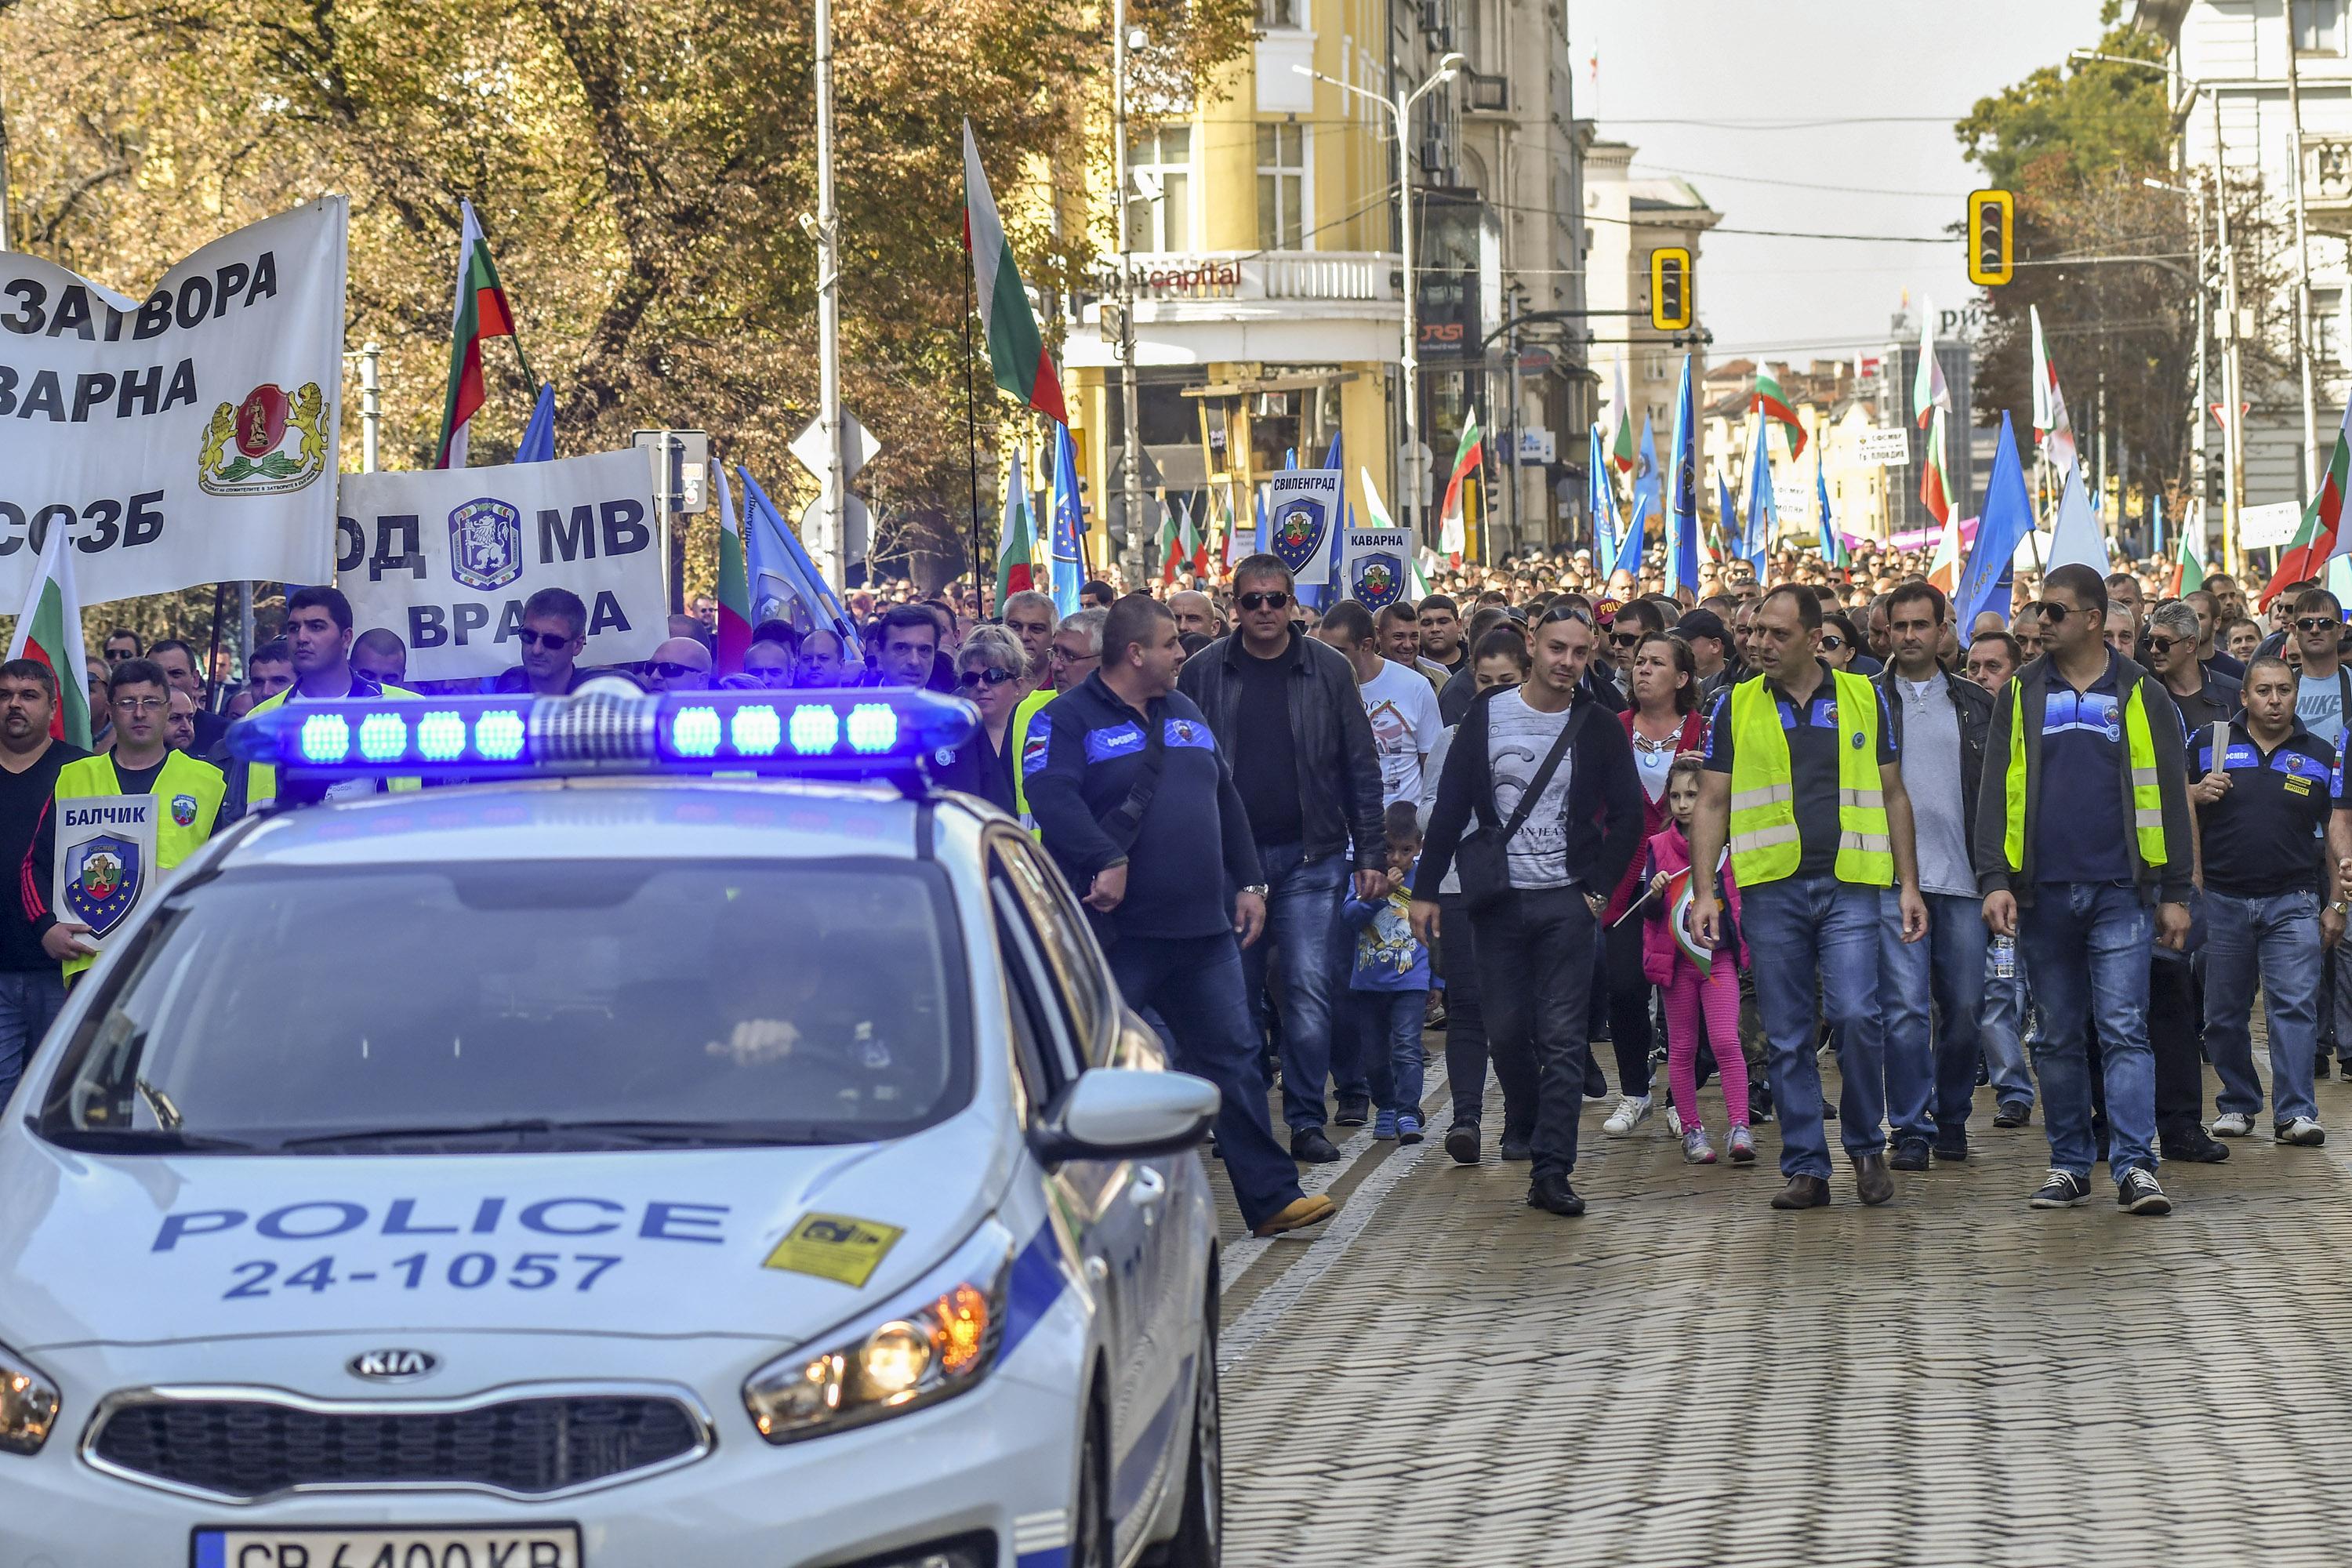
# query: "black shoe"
2013, 1113
1308, 1146
1950, 1147
2063, 1190
1802, 1193
1911, 1154
1355, 1110
1517, 1147
2137, 1193
1554, 1193
1462, 1143
1871, 1184
2196, 1149
1984, 1073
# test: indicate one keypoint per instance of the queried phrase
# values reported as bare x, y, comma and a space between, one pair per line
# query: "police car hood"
775, 1243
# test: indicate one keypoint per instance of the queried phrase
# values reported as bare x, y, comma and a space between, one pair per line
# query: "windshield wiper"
626, 1130
167, 1115
140, 1141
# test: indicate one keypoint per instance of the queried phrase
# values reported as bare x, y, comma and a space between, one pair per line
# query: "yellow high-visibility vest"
184, 778
1018, 739
2147, 800
1765, 843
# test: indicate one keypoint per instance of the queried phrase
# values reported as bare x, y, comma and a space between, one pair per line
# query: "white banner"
1889, 448
446, 557
2268, 526
190, 437
1302, 507
1375, 566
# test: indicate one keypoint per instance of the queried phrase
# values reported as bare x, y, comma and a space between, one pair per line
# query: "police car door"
1112, 1204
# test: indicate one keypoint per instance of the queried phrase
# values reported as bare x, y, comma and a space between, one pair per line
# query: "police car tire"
1090, 1521
1200, 1538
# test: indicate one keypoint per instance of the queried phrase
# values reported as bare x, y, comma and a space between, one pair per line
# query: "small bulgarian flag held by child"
1678, 916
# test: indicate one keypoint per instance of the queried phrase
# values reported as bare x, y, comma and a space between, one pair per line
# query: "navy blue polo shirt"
2264, 835
2083, 834
1814, 744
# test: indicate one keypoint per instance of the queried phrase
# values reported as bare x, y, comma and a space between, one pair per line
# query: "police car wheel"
1200, 1538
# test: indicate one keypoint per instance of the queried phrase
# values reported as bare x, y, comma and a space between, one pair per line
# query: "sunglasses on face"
669, 671
550, 641
2051, 613
1831, 644
990, 676
1064, 656
2314, 623
1624, 640
1269, 600
2160, 647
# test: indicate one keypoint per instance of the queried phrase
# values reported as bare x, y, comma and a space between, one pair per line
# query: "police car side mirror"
1123, 1113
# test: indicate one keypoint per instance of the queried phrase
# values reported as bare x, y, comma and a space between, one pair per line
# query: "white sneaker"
2231, 1124
1631, 1110
2303, 1129
1695, 1147
1674, 1121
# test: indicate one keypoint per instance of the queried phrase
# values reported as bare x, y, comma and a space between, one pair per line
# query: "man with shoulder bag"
1558, 809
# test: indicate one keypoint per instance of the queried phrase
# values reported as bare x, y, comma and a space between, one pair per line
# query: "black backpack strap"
1126, 819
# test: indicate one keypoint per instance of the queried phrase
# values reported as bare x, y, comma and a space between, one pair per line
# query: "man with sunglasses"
1285, 708
2083, 824
680, 664
554, 632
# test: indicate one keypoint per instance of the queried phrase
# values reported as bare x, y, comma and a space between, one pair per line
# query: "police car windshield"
526, 1005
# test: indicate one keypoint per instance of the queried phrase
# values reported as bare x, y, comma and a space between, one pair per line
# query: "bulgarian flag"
1770, 402
481, 312
1016, 349
1621, 445
1181, 547
1016, 538
1934, 483
1453, 531
49, 629
2187, 570
734, 581
2318, 542
1930, 392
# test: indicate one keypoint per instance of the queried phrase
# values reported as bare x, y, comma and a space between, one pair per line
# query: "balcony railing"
1309, 276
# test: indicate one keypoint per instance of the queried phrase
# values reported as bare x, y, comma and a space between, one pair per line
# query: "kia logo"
393, 1366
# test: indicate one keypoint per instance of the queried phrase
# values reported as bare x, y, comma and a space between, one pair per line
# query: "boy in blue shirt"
1388, 983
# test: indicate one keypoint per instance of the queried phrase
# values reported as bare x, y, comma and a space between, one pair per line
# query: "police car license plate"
363, 1546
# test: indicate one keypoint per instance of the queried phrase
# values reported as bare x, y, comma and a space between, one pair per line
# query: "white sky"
1731, 61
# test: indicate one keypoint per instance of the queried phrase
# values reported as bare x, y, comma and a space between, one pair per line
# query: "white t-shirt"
1517, 740
2319, 703
1405, 727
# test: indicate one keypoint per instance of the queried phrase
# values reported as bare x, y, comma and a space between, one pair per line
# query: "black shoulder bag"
1482, 860
1126, 819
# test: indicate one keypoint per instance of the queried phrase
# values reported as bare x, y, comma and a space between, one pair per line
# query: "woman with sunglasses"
989, 671
1840, 641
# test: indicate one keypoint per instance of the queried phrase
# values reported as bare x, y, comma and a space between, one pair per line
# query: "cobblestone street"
1686, 1377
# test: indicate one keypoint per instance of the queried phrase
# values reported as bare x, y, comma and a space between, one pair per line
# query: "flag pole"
971, 429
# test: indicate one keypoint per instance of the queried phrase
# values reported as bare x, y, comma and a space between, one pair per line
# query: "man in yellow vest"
319, 635
1802, 787
187, 798
2084, 853
1073, 652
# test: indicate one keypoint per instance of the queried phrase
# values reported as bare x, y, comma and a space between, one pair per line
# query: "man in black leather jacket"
1285, 710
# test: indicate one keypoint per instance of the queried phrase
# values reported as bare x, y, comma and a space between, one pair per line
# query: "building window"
2319, 26
1282, 13
2327, 325
1282, 187
1159, 189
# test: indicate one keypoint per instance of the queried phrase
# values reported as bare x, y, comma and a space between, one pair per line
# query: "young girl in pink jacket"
1688, 992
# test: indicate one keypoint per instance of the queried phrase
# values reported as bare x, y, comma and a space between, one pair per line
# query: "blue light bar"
833, 731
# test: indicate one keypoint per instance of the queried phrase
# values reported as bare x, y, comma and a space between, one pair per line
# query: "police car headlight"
29, 1406
930, 1344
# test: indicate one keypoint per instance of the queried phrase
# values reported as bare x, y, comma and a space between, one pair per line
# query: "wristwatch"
2342, 906
1260, 889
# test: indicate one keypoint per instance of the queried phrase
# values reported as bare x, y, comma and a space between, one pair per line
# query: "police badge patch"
484, 544
1378, 581
1296, 532
103, 878
184, 810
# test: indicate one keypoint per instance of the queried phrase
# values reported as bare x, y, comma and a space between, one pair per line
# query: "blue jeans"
1389, 1024
1302, 936
2088, 942
1194, 984
1931, 1072
2003, 1031
1809, 937
2278, 940
30, 1000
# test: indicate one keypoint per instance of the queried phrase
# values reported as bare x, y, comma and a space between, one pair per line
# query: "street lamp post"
1400, 109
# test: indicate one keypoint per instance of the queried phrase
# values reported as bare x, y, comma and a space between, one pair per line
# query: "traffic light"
1670, 289
1992, 238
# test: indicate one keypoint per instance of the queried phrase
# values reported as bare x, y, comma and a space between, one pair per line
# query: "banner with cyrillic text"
186, 438
447, 558
1375, 566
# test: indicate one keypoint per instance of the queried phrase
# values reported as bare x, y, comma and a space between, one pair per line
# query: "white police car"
599, 1167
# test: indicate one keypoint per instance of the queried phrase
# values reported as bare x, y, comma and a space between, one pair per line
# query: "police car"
659, 1149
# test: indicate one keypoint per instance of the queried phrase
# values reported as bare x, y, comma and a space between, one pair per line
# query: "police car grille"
252, 1448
